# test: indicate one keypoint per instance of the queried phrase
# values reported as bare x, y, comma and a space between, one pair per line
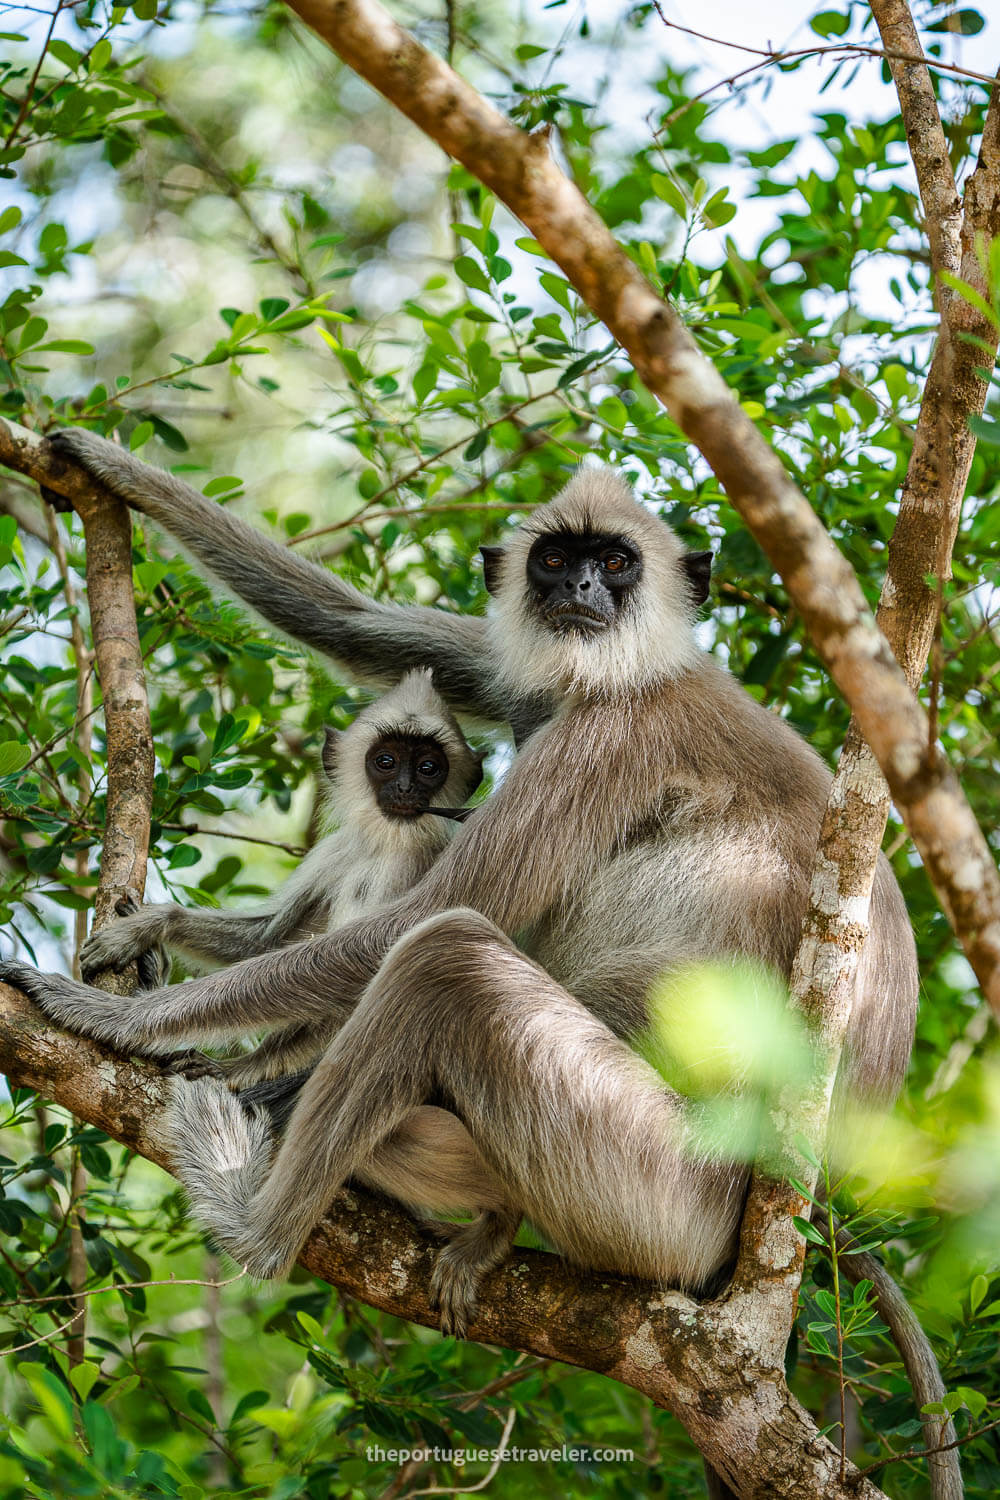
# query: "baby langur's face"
404, 772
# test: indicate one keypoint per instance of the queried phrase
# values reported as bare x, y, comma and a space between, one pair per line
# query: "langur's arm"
216, 937
295, 985
207, 935
299, 597
569, 799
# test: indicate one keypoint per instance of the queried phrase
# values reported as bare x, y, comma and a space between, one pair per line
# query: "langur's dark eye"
385, 761
552, 560
428, 768
614, 562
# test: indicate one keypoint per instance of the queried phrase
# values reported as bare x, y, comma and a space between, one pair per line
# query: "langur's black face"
404, 772
582, 582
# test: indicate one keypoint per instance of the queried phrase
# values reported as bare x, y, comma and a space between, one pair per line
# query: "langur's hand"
121, 941
197, 1065
76, 1007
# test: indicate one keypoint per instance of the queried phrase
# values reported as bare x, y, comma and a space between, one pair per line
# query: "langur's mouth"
405, 810
576, 617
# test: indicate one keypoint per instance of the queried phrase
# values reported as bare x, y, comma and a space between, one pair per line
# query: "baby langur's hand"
120, 941
197, 1065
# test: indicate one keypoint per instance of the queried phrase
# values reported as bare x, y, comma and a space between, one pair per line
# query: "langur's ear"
698, 568
331, 751
492, 567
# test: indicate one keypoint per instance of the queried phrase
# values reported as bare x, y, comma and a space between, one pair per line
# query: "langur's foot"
470, 1251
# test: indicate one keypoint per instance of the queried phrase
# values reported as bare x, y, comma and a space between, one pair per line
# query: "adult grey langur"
656, 816
402, 757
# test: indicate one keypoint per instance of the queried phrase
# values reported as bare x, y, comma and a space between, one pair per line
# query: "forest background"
223, 244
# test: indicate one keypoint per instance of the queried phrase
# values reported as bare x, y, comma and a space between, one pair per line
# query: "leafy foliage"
219, 241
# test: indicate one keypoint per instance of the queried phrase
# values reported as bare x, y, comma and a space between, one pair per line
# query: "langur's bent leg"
579, 1132
295, 985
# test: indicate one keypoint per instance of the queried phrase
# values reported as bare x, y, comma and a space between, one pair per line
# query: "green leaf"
973, 1399
986, 430
312, 1327
467, 271
199, 1405
977, 1292
558, 289
669, 192
13, 756
182, 856
964, 22
526, 52
291, 321
67, 346
222, 485
806, 1151
83, 1378
424, 381
830, 23
808, 1230
273, 307
66, 54
10, 218
971, 295
141, 435
247, 1404
227, 732
51, 1396
100, 56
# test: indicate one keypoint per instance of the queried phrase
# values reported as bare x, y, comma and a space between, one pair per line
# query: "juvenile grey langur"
402, 756
656, 816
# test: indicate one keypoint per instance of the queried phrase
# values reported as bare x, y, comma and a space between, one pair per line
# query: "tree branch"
924, 135
107, 531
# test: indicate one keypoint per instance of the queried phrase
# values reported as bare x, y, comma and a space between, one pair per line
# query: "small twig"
470, 1489
771, 55
243, 838
126, 1286
29, 91
468, 1399
425, 463
912, 1453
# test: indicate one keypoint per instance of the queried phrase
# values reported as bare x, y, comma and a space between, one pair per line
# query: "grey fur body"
657, 816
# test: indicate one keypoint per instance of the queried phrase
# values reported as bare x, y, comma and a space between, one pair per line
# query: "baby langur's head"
402, 756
